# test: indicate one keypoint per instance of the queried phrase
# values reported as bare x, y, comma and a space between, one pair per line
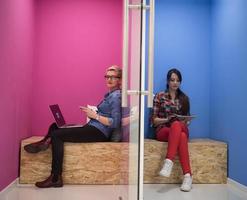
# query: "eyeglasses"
111, 77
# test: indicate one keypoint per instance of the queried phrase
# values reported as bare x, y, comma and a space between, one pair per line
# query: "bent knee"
184, 136
176, 124
55, 133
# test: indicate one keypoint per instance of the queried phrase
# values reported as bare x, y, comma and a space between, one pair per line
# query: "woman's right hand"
171, 117
157, 121
89, 112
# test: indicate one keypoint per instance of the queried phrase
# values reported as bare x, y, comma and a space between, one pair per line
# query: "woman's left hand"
90, 113
186, 122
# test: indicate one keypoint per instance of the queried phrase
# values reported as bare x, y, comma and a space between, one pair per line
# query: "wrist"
97, 117
166, 119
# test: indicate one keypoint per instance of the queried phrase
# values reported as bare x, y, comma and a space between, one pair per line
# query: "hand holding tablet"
185, 117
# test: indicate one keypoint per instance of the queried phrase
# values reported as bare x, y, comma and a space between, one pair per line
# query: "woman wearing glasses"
98, 129
168, 127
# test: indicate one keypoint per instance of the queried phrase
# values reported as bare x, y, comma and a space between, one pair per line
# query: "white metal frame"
125, 90
142, 92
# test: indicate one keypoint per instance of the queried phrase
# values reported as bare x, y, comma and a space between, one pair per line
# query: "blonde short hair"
116, 69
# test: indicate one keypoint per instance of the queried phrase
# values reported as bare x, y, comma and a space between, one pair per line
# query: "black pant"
58, 136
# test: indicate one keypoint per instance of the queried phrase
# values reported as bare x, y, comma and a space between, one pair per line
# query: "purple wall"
75, 42
16, 60
51, 51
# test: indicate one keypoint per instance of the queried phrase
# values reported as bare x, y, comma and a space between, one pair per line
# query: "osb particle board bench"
107, 162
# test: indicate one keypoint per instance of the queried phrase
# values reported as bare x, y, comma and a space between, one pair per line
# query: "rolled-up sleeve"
115, 104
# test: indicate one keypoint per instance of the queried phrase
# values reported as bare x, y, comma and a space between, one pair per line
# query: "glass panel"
134, 100
130, 120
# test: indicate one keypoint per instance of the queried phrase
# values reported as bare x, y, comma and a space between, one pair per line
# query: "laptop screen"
57, 114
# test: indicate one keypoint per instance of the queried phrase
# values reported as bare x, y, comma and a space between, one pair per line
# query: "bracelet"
97, 118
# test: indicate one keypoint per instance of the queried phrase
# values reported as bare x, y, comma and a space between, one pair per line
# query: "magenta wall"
51, 51
16, 61
75, 42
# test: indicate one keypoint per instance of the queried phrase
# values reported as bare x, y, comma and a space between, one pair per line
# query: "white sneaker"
167, 168
187, 183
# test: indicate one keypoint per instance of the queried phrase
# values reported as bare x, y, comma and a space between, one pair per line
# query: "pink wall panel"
51, 51
16, 61
75, 42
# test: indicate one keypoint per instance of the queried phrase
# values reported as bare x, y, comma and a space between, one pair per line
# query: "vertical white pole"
143, 55
151, 54
125, 53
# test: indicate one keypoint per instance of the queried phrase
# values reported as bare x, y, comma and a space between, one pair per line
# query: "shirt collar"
108, 93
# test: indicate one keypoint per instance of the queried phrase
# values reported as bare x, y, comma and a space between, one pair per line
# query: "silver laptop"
58, 116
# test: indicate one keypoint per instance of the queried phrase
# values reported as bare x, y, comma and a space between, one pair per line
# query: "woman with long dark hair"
170, 128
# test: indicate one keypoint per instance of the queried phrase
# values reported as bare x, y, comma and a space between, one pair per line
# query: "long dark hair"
183, 98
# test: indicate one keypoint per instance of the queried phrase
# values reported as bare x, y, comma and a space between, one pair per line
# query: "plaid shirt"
163, 107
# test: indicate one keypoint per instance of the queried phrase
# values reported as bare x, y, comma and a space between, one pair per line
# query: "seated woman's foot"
167, 168
36, 147
51, 181
187, 183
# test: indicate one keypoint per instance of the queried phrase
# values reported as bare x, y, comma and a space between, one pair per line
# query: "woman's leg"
163, 134
174, 138
58, 137
52, 128
177, 137
183, 153
185, 162
81, 134
43, 144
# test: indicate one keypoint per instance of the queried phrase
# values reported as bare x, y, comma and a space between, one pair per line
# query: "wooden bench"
107, 163
208, 159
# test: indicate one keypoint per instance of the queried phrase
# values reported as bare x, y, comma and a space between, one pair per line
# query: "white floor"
120, 192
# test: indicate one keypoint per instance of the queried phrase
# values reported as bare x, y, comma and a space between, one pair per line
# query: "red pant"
177, 137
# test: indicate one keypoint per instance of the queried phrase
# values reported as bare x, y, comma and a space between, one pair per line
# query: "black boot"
36, 147
51, 181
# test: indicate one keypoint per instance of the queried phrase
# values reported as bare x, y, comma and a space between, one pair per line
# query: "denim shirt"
109, 107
